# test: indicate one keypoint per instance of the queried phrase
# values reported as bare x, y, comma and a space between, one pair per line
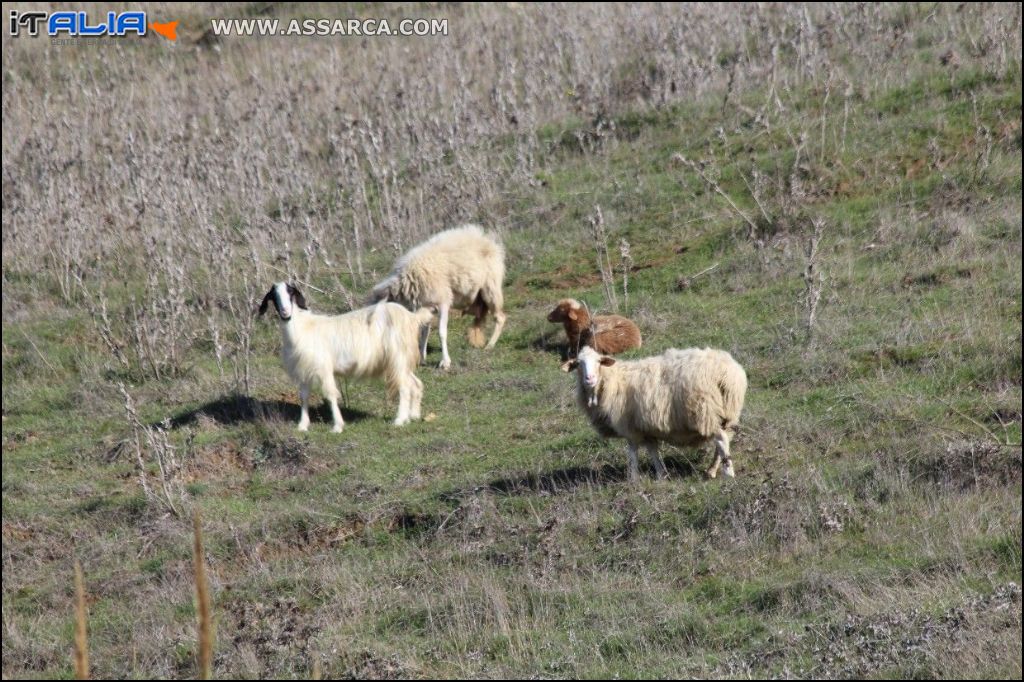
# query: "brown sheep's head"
568, 309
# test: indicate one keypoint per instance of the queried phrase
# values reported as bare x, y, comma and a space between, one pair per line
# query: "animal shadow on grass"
570, 478
241, 409
549, 342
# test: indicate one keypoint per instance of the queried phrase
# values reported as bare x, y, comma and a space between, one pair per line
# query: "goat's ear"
570, 365
573, 315
266, 301
607, 361
297, 296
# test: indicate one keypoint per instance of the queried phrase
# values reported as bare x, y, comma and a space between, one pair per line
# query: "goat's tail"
424, 315
401, 330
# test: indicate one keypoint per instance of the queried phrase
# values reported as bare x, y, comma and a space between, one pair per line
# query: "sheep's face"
286, 298
588, 363
565, 310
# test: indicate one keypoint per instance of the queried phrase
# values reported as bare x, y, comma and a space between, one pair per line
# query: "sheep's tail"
733, 386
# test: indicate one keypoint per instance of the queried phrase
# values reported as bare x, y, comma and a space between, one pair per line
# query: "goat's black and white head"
286, 298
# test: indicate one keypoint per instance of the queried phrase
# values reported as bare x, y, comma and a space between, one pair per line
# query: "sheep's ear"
570, 365
266, 301
297, 297
607, 361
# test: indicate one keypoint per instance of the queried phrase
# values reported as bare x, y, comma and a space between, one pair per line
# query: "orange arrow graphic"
168, 30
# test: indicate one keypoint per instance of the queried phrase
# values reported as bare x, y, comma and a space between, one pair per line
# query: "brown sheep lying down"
609, 334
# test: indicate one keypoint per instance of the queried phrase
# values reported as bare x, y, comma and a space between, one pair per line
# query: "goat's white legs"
417, 396
722, 456
634, 466
404, 396
499, 324
331, 394
442, 328
410, 393
304, 397
659, 466
424, 335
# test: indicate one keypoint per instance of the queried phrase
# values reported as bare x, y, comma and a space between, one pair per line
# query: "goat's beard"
591, 394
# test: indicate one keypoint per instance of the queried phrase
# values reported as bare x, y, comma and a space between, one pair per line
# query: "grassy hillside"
833, 195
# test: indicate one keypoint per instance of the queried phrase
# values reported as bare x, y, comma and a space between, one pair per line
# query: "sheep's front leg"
634, 466
304, 397
722, 456
659, 465
331, 394
442, 328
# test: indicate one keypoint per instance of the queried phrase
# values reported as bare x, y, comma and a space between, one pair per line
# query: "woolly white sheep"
683, 397
378, 341
461, 268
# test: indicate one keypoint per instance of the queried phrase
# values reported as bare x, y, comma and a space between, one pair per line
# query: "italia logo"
79, 24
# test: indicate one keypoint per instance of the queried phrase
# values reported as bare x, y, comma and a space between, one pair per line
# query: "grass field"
833, 195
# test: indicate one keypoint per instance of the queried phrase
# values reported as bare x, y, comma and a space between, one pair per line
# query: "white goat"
378, 341
461, 268
683, 397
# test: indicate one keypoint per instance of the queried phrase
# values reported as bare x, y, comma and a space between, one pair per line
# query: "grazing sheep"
461, 268
378, 341
683, 397
608, 334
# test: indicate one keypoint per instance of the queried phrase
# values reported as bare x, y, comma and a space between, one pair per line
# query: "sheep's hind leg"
304, 397
331, 394
499, 324
659, 465
634, 466
442, 328
722, 456
424, 336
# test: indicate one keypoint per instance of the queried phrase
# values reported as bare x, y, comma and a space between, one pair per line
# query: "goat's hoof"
728, 471
444, 364
711, 473
337, 428
401, 422
302, 427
